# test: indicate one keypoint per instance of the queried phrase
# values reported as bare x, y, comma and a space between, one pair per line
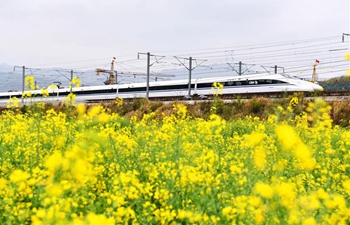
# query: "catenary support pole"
71, 80
148, 68
189, 76
189, 68
240, 68
23, 78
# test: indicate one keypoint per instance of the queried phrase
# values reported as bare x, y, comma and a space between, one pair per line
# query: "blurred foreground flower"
347, 57
12, 102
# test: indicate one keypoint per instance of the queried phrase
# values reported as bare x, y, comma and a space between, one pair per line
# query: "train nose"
317, 87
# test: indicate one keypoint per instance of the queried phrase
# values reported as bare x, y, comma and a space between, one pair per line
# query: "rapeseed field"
96, 167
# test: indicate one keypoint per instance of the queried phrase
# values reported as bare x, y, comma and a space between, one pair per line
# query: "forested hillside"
336, 84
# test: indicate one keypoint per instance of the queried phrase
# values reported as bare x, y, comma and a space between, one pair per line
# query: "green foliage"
336, 84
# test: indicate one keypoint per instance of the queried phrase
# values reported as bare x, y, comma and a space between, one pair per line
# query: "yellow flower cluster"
75, 82
119, 101
217, 88
70, 99
347, 57
45, 92
12, 102
96, 167
30, 83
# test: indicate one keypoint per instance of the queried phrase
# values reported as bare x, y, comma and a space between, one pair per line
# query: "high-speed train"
256, 83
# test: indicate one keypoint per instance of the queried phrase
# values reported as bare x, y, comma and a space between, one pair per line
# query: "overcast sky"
48, 32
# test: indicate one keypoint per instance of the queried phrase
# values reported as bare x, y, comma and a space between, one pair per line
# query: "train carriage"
247, 84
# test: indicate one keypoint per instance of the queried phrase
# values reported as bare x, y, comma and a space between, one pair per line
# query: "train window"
238, 83
252, 82
204, 85
230, 83
182, 86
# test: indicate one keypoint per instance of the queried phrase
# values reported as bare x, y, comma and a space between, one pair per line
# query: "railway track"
328, 96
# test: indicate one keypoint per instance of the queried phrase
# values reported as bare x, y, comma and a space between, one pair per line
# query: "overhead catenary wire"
256, 46
79, 61
294, 56
236, 49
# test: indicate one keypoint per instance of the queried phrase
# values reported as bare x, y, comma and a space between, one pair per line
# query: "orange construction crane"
314, 74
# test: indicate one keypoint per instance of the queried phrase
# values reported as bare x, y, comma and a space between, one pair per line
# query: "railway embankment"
262, 108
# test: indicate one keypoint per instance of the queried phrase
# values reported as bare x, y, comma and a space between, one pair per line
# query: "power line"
88, 60
257, 45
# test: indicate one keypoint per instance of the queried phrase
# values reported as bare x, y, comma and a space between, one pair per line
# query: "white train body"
247, 84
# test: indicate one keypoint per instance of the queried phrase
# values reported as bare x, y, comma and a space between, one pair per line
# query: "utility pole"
276, 67
189, 71
189, 76
23, 81
239, 72
148, 68
240, 68
23, 76
71, 76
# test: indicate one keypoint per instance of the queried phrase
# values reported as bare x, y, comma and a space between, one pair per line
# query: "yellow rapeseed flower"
287, 136
217, 88
309, 221
30, 83
303, 154
19, 175
103, 118
12, 102
264, 190
347, 57
75, 83
81, 109
94, 219
346, 186
291, 142
294, 102
119, 101
287, 192
259, 157
259, 216
45, 92
70, 99
54, 162
95, 110
3, 183
181, 110
54, 190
